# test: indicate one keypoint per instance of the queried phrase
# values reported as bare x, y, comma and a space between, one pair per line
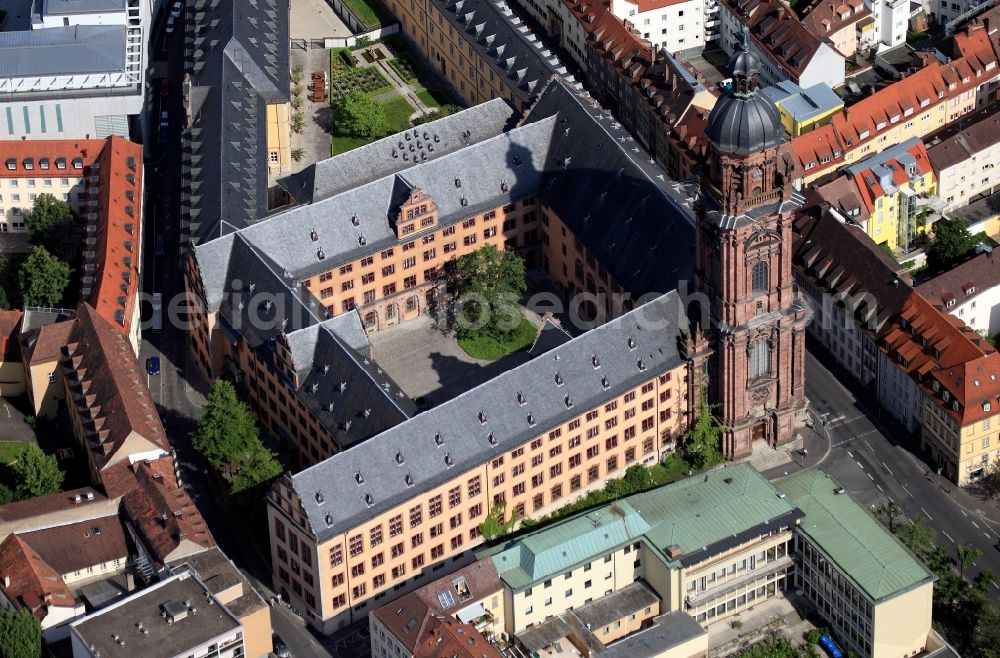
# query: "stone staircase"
764, 457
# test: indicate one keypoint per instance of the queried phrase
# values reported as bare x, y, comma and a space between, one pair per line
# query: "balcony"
741, 581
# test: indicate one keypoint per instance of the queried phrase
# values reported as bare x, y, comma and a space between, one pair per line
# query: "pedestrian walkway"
407, 91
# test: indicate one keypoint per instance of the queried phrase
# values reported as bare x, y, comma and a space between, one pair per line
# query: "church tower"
743, 267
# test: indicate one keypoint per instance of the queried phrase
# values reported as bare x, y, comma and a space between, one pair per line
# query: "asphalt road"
876, 462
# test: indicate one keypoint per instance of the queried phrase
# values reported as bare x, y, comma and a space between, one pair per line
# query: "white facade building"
892, 19
678, 26
75, 69
965, 163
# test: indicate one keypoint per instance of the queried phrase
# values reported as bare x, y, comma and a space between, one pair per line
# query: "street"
875, 463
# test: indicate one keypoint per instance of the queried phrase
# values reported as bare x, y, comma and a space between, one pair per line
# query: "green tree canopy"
37, 474
952, 242
491, 282
493, 526
52, 224
227, 432
43, 278
20, 635
917, 537
359, 115
261, 467
704, 440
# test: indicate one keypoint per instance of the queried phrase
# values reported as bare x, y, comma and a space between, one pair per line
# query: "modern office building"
72, 69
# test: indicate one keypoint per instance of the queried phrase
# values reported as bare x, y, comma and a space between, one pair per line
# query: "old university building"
387, 494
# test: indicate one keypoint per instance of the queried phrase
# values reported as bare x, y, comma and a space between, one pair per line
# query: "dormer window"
492, 439
949, 303
531, 420
946, 395
359, 478
595, 362
641, 364
631, 343
521, 400
569, 402
319, 498
559, 379
482, 418
986, 406
448, 461
438, 439
369, 501
605, 383
408, 480
29, 163
399, 457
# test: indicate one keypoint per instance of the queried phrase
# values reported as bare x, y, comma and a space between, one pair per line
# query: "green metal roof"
693, 514
852, 539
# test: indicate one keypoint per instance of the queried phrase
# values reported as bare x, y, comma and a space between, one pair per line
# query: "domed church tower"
744, 267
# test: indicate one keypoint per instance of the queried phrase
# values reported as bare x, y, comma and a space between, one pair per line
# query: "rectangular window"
10, 122
41, 118
27, 121
59, 124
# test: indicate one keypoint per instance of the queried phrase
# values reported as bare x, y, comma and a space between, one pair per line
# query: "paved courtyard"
314, 139
427, 362
315, 19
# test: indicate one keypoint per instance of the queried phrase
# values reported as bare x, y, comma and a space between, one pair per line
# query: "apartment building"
801, 109
852, 287
620, 385
90, 83
847, 26
875, 595
178, 617
970, 291
897, 189
955, 371
675, 26
919, 104
57, 167
480, 47
964, 161
786, 49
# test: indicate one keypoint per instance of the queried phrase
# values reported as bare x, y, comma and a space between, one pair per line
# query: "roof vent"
343, 386
482, 417
369, 501
313, 235
839, 491
329, 520
521, 400
409, 480
492, 439
569, 402
354, 219
631, 343
595, 361
463, 201
438, 439
605, 383
362, 240
329, 407
531, 420
448, 461
320, 254
399, 457
319, 498
503, 185
458, 182
314, 387
559, 379
641, 364
359, 478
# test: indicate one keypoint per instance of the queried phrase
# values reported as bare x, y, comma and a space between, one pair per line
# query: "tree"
702, 448
965, 556
989, 484
638, 478
260, 468
952, 242
359, 115
227, 432
36, 473
889, 511
493, 525
917, 537
43, 278
20, 634
490, 283
984, 580
52, 224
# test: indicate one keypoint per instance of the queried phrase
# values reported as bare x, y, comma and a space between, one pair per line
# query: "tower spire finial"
745, 38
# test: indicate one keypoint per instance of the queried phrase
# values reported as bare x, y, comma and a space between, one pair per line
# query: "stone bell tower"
743, 266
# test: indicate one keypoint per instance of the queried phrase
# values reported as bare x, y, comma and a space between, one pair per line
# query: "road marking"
946, 535
997, 586
869, 445
963, 513
859, 465
850, 454
879, 487
906, 490
988, 536
7, 409
975, 525
886, 468
928, 515
870, 477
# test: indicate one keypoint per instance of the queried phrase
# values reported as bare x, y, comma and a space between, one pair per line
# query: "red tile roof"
10, 327
778, 31
28, 582
869, 185
50, 504
825, 17
112, 285
165, 516
980, 273
44, 345
58, 152
864, 121
75, 546
936, 347
447, 638
107, 390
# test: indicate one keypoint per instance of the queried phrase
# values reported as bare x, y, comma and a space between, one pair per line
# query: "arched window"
758, 277
760, 358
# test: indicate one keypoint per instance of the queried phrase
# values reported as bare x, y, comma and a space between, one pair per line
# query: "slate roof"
219, 574
965, 143
506, 44
696, 515
238, 62
450, 438
397, 153
74, 50
851, 538
69, 7
550, 336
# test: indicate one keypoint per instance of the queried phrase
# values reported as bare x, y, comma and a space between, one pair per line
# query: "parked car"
160, 245
164, 125
164, 87
171, 20
175, 11
280, 648
153, 365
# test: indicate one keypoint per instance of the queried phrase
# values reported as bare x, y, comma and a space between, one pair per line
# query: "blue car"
153, 365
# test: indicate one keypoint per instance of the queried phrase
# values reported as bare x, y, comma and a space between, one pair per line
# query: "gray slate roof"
75, 50
238, 59
435, 446
510, 49
397, 153
70, 7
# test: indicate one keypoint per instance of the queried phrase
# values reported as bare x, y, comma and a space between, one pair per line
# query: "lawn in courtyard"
432, 98
487, 348
369, 12
397, 114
